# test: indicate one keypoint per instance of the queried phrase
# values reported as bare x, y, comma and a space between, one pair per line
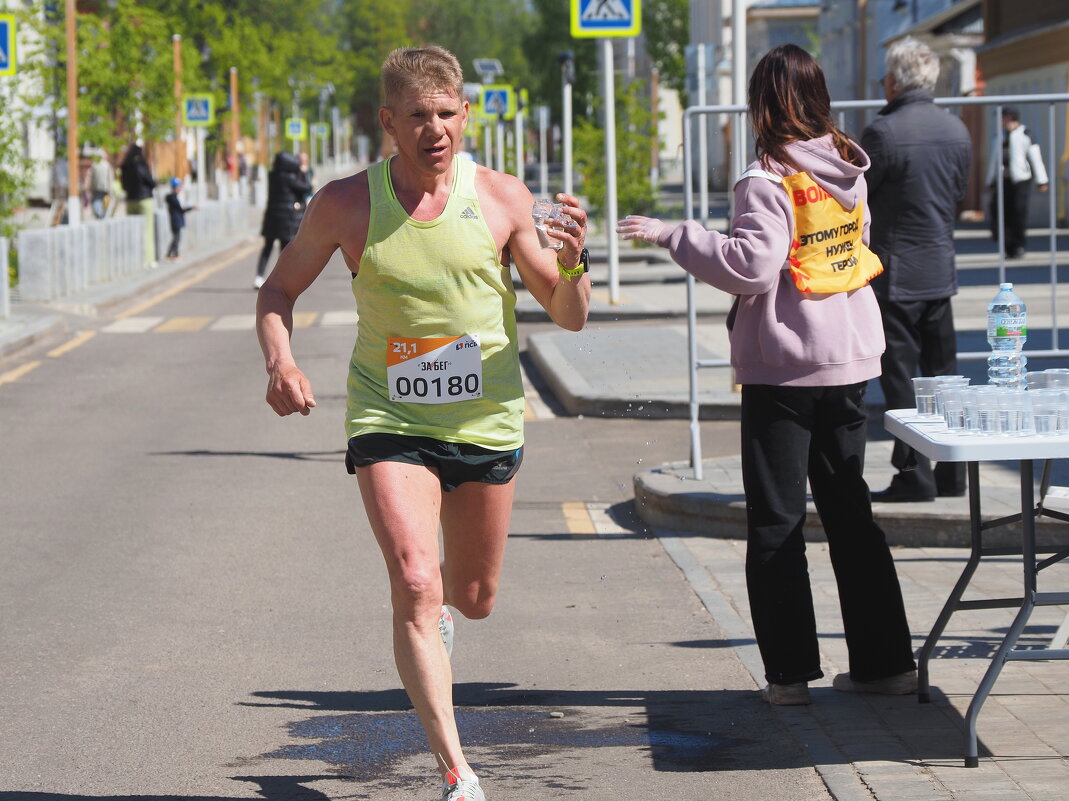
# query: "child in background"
177, 213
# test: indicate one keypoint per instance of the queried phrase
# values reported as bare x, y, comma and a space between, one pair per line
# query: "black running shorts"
454, 462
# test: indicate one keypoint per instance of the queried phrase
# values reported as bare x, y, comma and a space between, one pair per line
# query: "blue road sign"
7, 44
599, 18
498, 100
198, 110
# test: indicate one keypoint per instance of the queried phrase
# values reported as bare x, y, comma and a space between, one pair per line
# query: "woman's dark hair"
789, 101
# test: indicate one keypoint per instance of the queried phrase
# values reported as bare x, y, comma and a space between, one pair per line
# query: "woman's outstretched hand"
634, 226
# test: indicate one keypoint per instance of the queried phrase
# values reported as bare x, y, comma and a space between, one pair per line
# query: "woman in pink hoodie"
806, 336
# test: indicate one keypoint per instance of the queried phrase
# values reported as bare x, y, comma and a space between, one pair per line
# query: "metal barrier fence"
737, 114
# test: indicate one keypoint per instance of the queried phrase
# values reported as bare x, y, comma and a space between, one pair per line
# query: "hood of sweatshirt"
822, 161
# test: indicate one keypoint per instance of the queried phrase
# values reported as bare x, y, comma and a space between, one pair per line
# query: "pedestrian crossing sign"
498, 101
296, 128
599, 18
7, 44
198, 110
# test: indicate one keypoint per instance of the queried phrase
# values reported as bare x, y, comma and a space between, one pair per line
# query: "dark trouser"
789, 433
1015, 197
920, 337
265, 254
176, 238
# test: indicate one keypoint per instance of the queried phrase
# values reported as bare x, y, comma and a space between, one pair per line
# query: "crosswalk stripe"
304, 319
339, 318
132, 325
183, 324
234, 322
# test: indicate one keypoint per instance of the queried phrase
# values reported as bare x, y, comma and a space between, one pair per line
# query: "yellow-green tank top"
436, 279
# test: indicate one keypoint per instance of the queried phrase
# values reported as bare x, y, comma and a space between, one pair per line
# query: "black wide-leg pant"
790, 434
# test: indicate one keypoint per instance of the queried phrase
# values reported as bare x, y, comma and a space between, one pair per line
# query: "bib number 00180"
434, 369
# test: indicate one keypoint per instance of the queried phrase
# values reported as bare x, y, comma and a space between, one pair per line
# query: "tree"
636, 133
666, 24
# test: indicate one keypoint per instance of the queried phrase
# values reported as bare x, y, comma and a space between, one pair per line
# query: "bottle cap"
1005, 286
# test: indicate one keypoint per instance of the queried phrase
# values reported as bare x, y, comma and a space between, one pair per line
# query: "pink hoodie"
780, 336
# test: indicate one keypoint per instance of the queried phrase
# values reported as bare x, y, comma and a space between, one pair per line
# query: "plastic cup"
1037, 380
953, 403
989, 421
924, 390
541, 211
1014, 413
970, 402
1046, 409
945, 382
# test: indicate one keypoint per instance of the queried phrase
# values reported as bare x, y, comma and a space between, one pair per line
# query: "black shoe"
896, 493
951, 493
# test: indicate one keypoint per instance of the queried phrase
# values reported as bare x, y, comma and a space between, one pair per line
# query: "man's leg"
403, 505
898, 367
475, 526
939, 356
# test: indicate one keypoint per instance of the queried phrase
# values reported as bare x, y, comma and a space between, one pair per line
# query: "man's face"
427, 127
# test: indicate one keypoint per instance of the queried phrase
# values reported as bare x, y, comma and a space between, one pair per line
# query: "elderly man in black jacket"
920, 163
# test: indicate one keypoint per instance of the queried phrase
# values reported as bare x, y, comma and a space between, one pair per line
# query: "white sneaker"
445, 628
463, 787
258, 281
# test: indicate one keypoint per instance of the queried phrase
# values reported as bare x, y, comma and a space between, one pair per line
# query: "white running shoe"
258, 281
445, 628
464, 787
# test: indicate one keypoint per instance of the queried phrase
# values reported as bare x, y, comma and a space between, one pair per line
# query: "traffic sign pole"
610, 171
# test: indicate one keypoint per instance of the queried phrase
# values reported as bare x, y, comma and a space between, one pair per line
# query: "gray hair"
913, 65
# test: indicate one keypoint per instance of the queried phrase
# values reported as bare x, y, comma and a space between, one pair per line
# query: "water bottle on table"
1007, 331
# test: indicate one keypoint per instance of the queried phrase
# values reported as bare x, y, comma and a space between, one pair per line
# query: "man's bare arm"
299, 264
566, 300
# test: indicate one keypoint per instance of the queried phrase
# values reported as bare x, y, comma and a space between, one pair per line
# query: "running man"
435, 401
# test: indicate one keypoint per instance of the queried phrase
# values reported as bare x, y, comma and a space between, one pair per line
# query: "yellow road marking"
578, 519
81, 339
304, 319
183, 324
148, 304
18, 372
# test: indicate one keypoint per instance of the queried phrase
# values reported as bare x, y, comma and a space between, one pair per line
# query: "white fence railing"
737, 114
62, 261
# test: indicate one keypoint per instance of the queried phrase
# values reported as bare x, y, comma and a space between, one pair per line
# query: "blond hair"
426, 69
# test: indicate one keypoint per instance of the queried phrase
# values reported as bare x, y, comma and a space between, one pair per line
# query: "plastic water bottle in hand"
1007, 331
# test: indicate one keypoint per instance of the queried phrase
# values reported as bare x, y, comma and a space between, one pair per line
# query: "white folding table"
933, 440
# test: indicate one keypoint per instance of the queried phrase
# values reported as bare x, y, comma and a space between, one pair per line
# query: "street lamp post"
567, 68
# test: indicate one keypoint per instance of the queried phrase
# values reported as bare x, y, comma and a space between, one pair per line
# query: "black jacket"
136, 177
920, 168
286, 191
176, 211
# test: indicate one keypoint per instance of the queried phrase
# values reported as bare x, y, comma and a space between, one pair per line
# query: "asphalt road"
192, 605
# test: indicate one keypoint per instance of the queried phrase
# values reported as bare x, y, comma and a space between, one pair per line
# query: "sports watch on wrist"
582, 267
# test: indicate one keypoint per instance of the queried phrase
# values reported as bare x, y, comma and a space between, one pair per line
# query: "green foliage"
635, 139
666, 24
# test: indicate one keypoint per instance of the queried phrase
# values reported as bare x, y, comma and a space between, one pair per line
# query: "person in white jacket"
1022, 165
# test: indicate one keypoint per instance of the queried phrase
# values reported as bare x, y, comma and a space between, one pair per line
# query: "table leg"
923, 685
1028, 558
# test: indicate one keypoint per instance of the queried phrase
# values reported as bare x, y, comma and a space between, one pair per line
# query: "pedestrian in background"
287, 189
176, 212
805, 339
1022, 165
435, 397
101, 180
920, 170
139, 187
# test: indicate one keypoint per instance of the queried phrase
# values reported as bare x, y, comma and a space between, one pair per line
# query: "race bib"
434, 369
